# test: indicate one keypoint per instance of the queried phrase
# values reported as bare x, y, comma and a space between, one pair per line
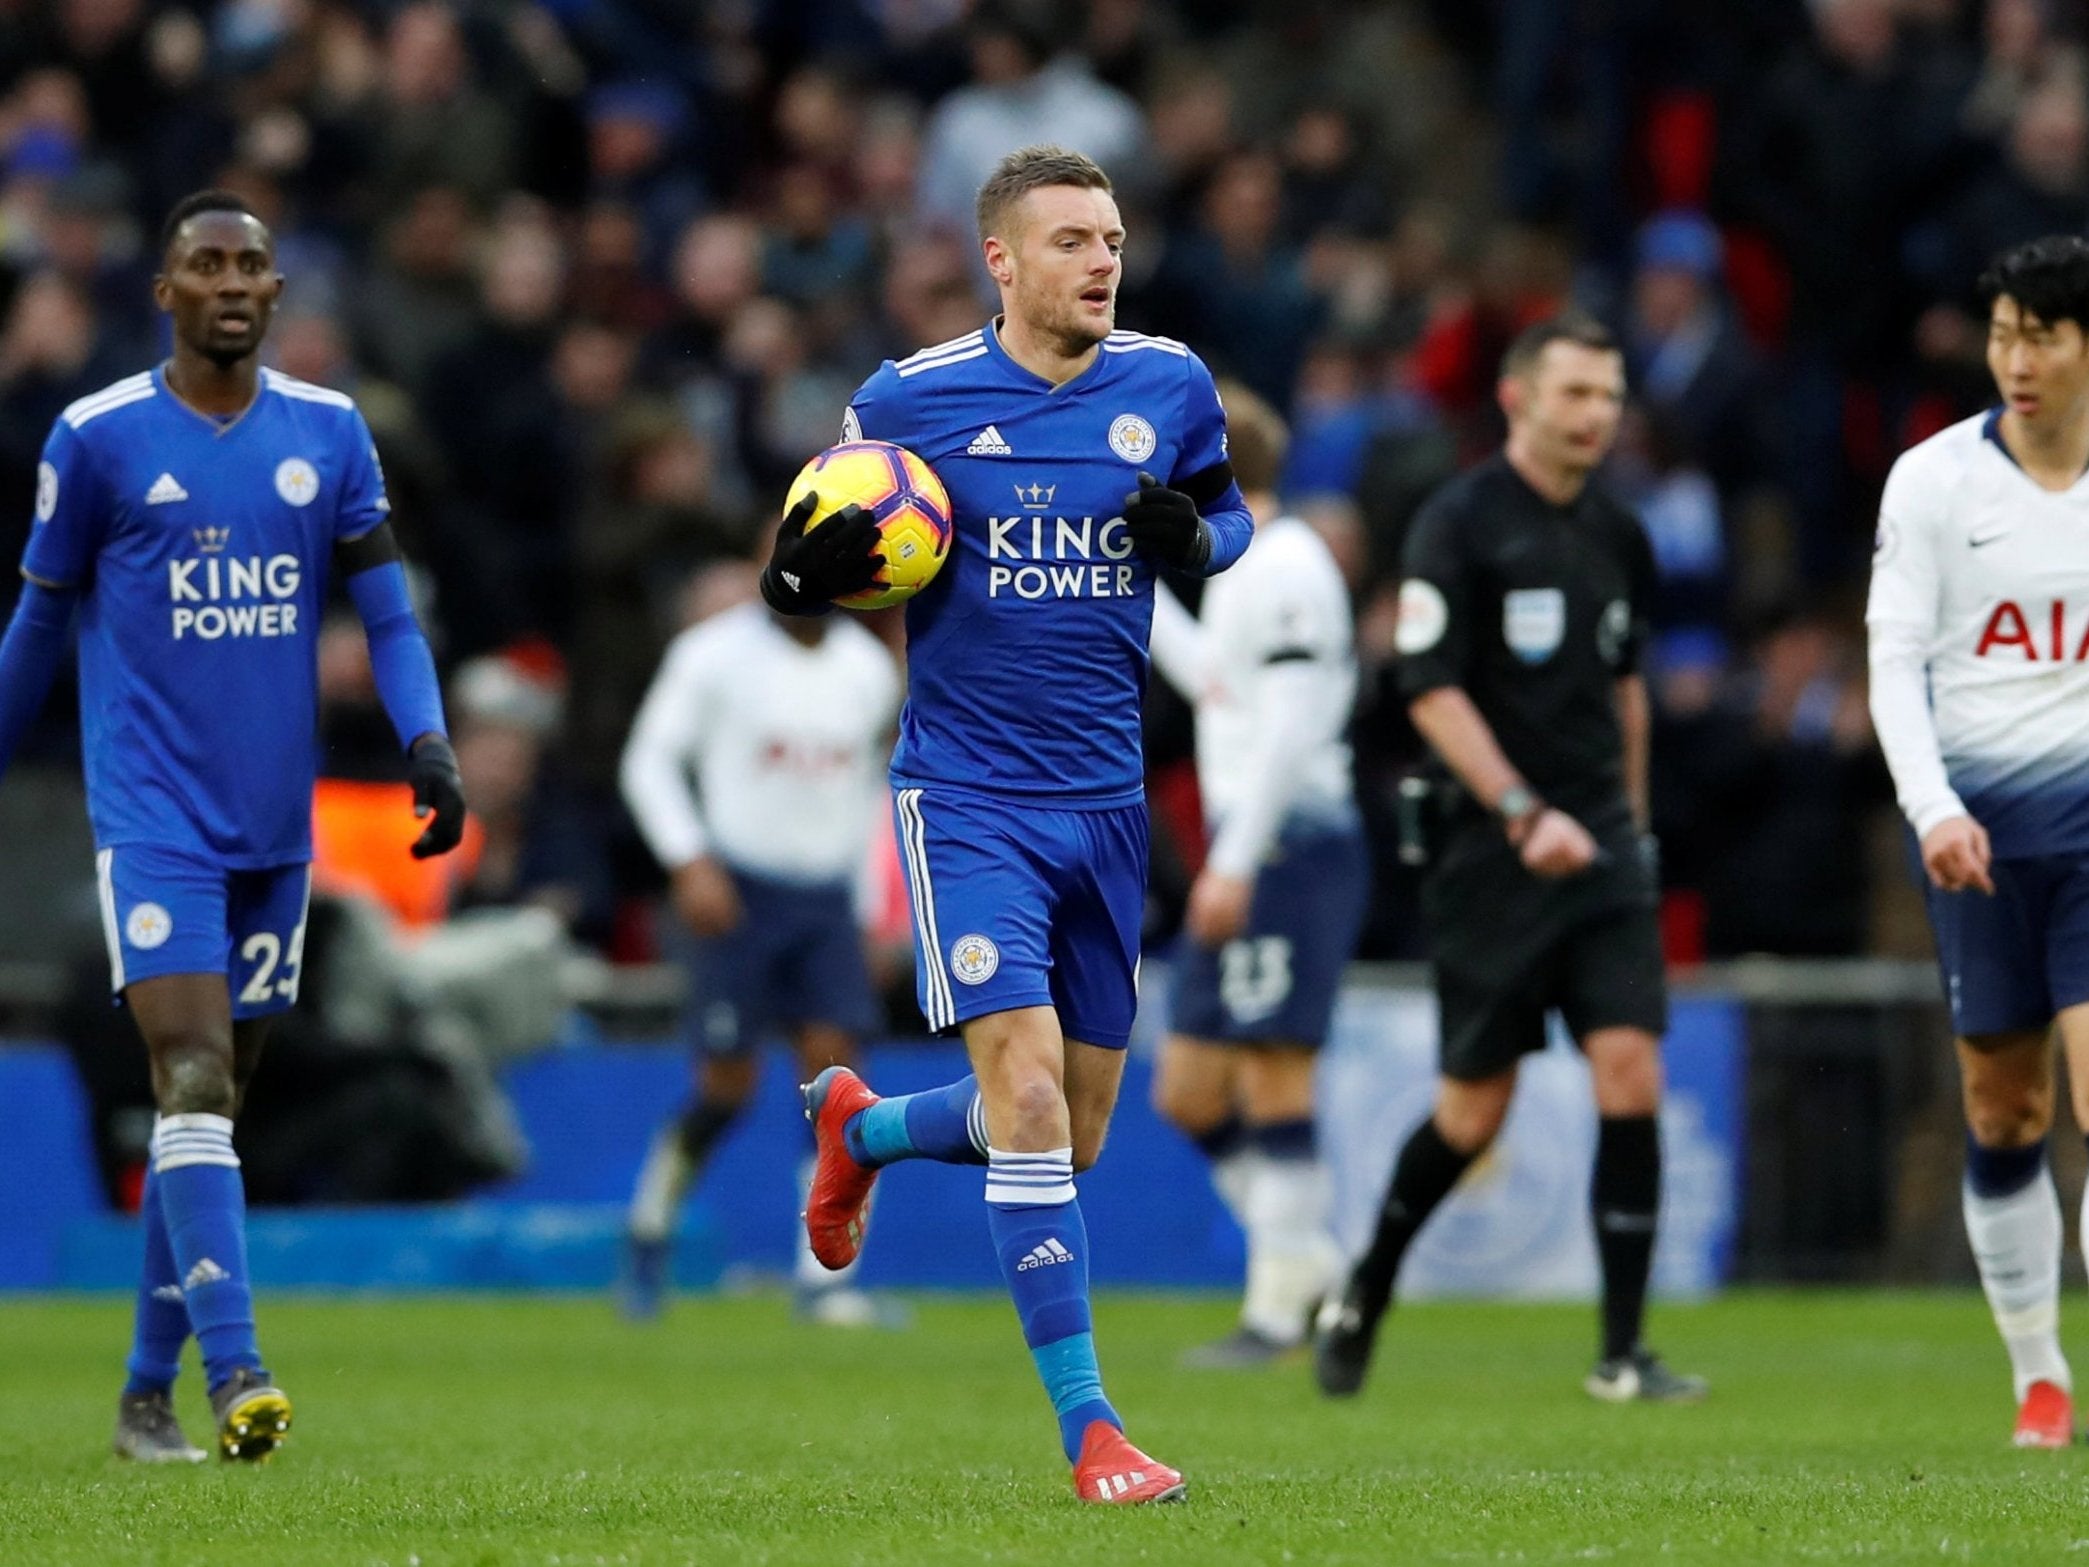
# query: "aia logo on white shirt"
2056, 636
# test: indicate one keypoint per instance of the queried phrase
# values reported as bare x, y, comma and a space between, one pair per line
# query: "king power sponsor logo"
215, 595
1039, 557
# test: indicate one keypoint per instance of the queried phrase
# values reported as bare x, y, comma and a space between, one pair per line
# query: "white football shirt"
763, 751
1270, 665
1979, 631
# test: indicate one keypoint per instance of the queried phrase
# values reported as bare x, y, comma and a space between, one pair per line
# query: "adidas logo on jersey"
988, 443
204, 1272
171, 1293
1049, 1255
164, 489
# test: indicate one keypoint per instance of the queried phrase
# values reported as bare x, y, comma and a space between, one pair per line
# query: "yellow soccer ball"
902, 493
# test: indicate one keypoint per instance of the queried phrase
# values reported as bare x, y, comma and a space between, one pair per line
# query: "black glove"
1164, 525
438, 793
810, 570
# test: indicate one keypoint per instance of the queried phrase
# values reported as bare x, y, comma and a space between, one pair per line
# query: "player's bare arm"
1635, 729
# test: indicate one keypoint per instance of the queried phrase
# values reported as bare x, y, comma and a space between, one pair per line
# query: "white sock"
1292, 1257
2016, 1241
806, 1270
1230, 1178
663, 1181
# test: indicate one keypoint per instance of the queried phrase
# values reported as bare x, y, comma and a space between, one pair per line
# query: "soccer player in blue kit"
1079, 460
192, 515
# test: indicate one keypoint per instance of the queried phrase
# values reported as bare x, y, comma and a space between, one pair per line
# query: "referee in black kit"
1524, 604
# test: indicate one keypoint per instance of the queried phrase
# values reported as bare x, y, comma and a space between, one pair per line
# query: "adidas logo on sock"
205, 1272
988, 443
170, 1293
1049, 1255
164, 489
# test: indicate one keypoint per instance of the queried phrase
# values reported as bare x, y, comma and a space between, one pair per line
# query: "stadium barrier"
1801, 1085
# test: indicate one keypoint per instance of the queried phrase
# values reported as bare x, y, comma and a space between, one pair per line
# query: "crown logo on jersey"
1035, 496
212, 541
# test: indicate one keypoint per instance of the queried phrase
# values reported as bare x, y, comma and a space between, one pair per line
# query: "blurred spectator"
1686, 356
1775, 780
433, 125
1236, 284
1026, 90
537, 847
635, 135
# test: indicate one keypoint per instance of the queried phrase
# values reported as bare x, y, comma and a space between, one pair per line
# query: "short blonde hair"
1032, 168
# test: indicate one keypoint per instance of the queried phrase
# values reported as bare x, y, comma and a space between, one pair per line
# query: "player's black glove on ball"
1164, 525
438, 794
809, 571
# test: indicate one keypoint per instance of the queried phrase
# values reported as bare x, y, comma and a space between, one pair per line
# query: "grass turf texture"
508, 1430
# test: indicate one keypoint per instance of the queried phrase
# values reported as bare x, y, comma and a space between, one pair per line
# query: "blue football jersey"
1026, 657
201, 551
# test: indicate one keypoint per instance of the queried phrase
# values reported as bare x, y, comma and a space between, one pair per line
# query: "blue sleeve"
875, 413
30, 654
70, 513
1203, 458
399, 656
363, 504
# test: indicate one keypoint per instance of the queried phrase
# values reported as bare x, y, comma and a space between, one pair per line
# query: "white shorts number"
1255, 976
265, 951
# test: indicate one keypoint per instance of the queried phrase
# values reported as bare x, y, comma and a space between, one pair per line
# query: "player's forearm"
1907, 730
1456, 732
30, 654
400, 660
656, 790
1635, 729
1179, 649
1293, 726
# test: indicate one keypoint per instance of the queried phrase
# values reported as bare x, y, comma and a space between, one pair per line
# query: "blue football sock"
162, 1323
1035, 1220
206, 1209
945, 1124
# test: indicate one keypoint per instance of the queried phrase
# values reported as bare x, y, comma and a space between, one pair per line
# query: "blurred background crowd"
602, 274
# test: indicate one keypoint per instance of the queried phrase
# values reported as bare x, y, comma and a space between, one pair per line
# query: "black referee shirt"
1535, 611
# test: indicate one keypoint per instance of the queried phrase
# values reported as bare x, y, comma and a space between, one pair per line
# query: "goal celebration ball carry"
902, 493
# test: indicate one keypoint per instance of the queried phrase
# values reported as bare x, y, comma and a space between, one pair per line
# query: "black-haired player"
193, 514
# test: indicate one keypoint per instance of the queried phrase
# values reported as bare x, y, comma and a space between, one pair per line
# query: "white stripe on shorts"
941, 1009
105, 880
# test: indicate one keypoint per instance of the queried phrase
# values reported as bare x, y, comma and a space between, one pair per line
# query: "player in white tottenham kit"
1274, 915
756, 772
1979, 623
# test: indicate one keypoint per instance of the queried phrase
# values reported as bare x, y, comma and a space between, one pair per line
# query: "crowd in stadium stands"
603, 275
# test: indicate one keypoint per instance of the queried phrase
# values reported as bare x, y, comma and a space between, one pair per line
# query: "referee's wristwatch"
1519, 809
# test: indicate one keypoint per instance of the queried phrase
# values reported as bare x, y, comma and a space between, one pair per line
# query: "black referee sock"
1625, 1199
1427, 1169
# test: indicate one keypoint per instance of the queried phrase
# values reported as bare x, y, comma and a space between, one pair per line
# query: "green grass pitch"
472, 1432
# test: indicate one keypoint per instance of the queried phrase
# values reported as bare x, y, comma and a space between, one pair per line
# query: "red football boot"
840, 1186
2046, 1418
1111, 1470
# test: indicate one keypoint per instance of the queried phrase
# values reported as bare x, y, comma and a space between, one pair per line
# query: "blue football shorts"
2011, 962
1276, 982
795, 958
1017, 905
168, 911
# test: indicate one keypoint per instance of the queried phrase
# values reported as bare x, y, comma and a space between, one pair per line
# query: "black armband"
378, 547
1207, 486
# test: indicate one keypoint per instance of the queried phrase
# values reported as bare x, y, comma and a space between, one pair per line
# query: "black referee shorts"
1506, 954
